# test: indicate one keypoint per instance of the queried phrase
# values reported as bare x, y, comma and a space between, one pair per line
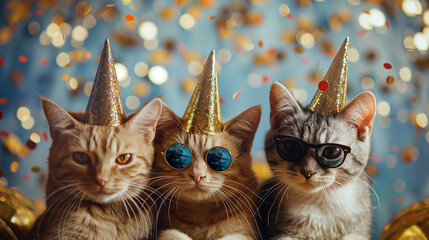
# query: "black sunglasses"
179, 156
329, 155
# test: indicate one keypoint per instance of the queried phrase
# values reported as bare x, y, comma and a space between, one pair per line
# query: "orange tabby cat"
198, 202
98, 176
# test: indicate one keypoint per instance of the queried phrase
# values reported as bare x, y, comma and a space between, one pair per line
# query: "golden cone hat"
105, 106
333, 100
202, 116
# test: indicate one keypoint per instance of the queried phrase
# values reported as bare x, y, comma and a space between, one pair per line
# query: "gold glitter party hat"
331, 101
105, 102
202, 116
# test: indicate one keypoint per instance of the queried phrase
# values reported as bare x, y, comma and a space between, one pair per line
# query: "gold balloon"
410, 223
17, 212
331, 101
5, 232
202, 116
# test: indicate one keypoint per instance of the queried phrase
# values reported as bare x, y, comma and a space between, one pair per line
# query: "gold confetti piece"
260, 43
98, 59
211, 18
66, 77
110, 5
47, 41
35, 169
14, 166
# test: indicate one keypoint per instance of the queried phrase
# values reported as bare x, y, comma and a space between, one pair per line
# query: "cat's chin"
309, 187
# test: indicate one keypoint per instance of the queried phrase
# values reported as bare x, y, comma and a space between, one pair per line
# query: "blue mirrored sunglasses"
179, 156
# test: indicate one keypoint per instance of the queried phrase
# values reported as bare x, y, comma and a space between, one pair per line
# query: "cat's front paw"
173, 234
353, 236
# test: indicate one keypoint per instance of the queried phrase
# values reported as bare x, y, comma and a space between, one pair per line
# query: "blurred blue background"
50, 48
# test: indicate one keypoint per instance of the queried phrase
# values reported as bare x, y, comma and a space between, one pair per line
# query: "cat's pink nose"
197, 177
102, 181
307, 174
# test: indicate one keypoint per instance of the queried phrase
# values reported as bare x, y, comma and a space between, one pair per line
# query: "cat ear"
58, 119
244, 126
146, 119
282, 104
360, 112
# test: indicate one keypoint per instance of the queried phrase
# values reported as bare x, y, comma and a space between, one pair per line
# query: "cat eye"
179, 156
329, 155
124, 158
81, 157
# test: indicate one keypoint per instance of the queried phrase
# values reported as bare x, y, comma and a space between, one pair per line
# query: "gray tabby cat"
310, 197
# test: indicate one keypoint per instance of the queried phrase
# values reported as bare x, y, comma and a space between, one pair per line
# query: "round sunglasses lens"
218, 159
290, 149
331, 156
178, 156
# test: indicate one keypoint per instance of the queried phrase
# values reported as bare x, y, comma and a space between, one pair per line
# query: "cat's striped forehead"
313, 128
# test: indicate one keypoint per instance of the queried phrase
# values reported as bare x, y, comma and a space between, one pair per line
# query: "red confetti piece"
39, 13
260, 43
45, 136
258, 20
221, 100
22, 59
399, 200
305, 60
266, 79
4, 101
394, 148
129, 17
387, 24
376, 158
1, 61
361, 33
323, 85
241, 52
30, 144
4, 133
237, 95
43, 61
271, 51
365, 11
1, 114
387, 66
290, 16
26, 177
179, 2
181, 48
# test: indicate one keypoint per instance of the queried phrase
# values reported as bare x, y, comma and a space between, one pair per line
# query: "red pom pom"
323, 85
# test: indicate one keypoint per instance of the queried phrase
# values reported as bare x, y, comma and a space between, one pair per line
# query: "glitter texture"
202, 116
331, 102
105, 106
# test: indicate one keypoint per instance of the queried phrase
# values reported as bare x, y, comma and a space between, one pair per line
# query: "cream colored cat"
199, 202
98, 177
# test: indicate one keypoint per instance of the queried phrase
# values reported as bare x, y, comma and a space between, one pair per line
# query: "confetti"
47, 41
39, 13
35, 169
323, 85
387, 24
266, 79
211, 18
390, 79
4, 133
22, 59
98, 59
129, 17
365, 11
1, 62
62, 34
299, 49
4, 101
237, 95
26, 177
394, 148
361, 33
14, 166
43, 61
375, 157
260, 43
45, 136
399, 200
387, 66
30, 144
66, 77
271, 51
241, 52
290, 16
221, 100
1, 114
179, 2
110, 5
